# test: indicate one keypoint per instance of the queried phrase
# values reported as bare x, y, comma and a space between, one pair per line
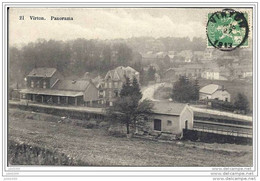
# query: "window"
110, 94
169, 123
226, 99
44, 84
157, 124
116, 93
116, 84
110, 85
106, 85
24, 96
32, 84
101, 92
120, 84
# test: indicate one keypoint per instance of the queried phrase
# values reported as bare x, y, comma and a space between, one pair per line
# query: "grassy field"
97, 148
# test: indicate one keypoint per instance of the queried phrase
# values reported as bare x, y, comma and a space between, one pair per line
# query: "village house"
242, 72
47, 85
213, 91
151, 57
211, 74
212, 71
193, 70
208, 54
189, 70
170, 117
113, 82
186, 54
44, 78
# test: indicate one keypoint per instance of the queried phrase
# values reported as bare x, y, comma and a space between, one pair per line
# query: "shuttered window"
157, 124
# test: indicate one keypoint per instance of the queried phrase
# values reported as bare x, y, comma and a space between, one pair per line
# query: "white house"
213, 91
211, 74
170, 117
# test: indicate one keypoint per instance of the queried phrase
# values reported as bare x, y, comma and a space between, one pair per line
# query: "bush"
225, 106
104, 124
117, 130
24, 154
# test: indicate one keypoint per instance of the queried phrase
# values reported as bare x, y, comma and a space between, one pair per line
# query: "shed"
171, 117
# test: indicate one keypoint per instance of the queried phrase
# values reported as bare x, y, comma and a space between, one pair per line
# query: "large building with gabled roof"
214, 91
113, 82
47, 85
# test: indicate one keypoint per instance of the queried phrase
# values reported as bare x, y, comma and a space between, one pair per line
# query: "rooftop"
167, 107
72, 85
119, 73
42, 72
210, 89
52, 92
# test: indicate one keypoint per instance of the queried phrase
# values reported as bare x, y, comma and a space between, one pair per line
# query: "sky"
106, 23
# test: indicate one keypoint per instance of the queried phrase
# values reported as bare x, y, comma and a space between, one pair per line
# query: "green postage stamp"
227, 29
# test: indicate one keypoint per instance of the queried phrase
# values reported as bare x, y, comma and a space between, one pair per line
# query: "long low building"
47, 85
52, 96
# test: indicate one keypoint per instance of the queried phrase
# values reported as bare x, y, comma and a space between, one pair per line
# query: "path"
148, 92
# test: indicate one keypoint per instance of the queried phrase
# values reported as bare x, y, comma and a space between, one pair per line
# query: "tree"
136, 91
128, 109
151, 73
196, 89
185, 91
125, 54
142, 76
241, 103
126, 88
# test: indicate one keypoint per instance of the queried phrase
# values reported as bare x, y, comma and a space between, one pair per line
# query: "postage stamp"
227, 30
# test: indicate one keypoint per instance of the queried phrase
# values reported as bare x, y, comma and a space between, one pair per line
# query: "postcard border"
5, 64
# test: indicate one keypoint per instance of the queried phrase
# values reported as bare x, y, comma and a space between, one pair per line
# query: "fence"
206, 135
223, 131
62, 111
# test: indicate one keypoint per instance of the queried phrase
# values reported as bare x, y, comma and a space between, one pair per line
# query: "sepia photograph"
130, 87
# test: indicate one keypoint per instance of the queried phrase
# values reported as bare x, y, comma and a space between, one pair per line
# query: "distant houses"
211, 73
243, 71
213, 91
189, 70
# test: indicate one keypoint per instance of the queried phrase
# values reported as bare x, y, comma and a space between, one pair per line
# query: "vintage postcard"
155, 88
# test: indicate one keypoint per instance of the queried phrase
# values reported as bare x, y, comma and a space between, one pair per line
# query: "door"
186, 124
157, 124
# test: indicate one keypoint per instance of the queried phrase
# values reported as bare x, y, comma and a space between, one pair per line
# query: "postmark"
227, 29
